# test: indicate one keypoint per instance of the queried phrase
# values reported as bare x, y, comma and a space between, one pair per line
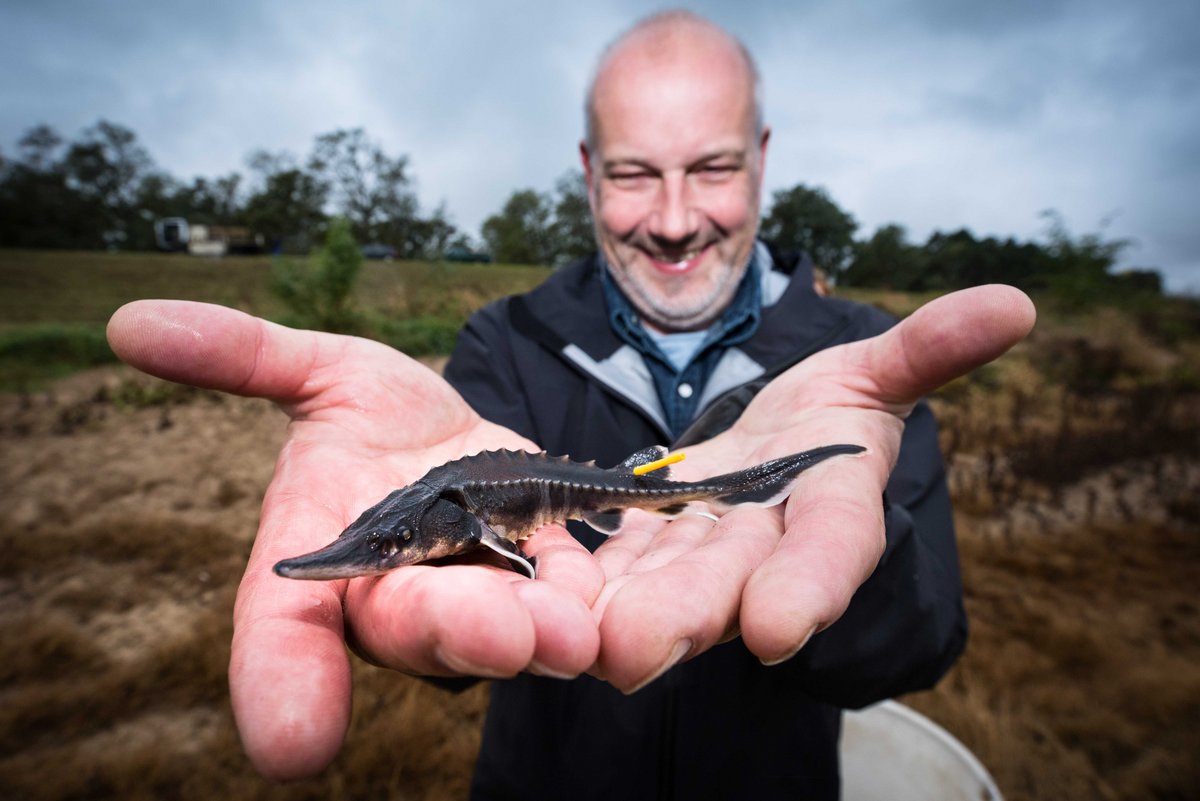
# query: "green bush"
34, 354
317, 292
419, 336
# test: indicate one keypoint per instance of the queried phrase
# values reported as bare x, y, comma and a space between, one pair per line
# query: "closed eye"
717, 173
631, 179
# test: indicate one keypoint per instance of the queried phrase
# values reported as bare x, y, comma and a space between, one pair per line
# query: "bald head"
671, 43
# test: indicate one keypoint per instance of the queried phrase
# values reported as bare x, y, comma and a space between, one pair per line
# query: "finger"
834, 537
568, 582
660, 617
219, 348
214, 347
946, 338
617, 555
471, 620
566, 640
439, 621
289, 675
565, 563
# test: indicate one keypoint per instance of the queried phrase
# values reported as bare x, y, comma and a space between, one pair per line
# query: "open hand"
777, 576
365, 420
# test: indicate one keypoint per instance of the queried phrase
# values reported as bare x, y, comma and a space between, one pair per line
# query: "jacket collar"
571, 304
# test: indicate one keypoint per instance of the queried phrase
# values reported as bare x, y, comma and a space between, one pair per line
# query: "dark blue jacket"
547, 365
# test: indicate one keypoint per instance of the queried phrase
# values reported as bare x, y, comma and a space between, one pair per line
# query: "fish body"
496, 499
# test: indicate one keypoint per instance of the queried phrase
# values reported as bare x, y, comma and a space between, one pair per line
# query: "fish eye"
388, 549
406, 534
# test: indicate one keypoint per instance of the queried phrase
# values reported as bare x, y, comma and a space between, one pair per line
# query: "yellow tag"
643, 469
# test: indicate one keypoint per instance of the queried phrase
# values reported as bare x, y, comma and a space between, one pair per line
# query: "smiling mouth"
676, 263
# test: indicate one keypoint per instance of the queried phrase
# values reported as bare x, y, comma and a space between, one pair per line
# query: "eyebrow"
729, 153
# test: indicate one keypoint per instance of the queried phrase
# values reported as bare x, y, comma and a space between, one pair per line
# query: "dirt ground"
129, 507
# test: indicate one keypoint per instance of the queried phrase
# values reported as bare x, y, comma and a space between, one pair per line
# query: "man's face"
675, 180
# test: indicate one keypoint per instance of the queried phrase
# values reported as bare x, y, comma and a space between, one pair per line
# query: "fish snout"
354, 554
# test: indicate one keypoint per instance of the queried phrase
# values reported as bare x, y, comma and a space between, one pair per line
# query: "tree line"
1076, 268
103, 190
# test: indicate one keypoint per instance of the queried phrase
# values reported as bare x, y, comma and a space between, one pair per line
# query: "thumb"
211, 346
946, 338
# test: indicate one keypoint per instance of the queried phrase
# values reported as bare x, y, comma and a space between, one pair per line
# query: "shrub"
317, 292
28, 355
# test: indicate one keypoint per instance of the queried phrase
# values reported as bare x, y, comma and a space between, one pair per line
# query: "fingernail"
459, 665
789, 654
538, 669
681, 649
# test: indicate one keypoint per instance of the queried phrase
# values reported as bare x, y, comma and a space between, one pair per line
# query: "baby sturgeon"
497, 498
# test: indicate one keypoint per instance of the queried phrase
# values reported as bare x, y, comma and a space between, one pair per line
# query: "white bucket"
891, 753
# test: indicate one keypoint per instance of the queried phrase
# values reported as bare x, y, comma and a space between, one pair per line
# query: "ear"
585, 157
762, 154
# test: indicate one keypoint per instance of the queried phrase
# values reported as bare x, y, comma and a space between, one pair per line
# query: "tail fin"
770, 482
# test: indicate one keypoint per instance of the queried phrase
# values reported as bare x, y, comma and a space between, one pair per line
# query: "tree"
368, 187
543, 228
886, 260
104, 169
958, 260
39, 207
428, 237
1079, 269
804, 218
288, 205
215, 202
521, 232
38, 146
572, 233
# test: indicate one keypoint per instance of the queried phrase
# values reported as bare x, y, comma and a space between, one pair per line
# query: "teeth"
687, 257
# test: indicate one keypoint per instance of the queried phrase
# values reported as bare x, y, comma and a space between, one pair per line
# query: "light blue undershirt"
678, 347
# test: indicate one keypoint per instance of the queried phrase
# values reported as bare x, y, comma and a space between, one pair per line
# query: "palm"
776, 578
364, 420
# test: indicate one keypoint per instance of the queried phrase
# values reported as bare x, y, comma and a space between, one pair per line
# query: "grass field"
1074, 463
54, 304
84, 288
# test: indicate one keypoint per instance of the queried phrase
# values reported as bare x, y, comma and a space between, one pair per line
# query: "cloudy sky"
934, 114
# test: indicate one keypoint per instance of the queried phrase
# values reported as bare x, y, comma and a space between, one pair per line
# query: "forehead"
673, 99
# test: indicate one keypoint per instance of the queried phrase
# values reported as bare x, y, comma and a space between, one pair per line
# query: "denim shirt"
680, 389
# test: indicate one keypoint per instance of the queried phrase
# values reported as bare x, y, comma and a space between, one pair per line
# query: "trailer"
176, 234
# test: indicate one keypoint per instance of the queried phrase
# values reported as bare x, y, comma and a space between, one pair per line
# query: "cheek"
620, 213
730, 208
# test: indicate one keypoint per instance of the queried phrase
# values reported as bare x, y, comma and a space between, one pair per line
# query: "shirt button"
685, 390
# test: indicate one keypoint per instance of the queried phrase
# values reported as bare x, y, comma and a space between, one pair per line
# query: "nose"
674, 220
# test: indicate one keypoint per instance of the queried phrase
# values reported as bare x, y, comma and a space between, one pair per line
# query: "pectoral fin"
606, 521
509, 550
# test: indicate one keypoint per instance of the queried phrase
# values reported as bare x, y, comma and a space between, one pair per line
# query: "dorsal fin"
646, 456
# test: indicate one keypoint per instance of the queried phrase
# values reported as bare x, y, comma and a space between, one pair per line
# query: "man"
716, 656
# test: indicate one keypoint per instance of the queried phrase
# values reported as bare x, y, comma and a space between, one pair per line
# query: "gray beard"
671, 317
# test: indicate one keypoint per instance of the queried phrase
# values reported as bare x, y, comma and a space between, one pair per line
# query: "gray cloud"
935, 114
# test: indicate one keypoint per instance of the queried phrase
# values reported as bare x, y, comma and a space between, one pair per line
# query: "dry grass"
1075, 476
1081, 678
115, 600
